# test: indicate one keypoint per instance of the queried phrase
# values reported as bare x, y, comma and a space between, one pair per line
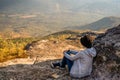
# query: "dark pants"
66, 61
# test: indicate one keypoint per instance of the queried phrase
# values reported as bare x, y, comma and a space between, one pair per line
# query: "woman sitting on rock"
79, 64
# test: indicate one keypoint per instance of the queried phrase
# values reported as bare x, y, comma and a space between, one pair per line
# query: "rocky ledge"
107, 61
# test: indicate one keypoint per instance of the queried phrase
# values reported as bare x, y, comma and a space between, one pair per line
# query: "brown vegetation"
13, 48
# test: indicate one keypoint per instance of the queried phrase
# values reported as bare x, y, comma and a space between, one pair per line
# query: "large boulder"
107, 61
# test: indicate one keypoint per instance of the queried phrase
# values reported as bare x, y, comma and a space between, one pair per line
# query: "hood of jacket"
91, 52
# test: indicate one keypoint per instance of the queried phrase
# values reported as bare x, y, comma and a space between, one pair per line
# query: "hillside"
49, 48
37, 67
101, 24
39, 52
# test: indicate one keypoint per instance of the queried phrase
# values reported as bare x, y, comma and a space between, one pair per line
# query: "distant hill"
34, 27
101, 24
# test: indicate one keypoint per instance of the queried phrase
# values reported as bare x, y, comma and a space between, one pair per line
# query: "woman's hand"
65, 51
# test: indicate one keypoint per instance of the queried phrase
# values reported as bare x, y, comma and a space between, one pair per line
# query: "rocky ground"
37, 65
107, 62
106, 65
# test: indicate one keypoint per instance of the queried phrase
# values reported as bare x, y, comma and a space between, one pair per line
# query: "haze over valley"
43, 17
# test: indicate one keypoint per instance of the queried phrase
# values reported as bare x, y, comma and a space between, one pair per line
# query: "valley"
40, 24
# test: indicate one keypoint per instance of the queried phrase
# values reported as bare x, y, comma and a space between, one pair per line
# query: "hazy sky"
107, 7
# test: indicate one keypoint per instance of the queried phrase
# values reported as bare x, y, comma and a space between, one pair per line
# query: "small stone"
11, 79
117, 46
118, 53
104, 58
55, 76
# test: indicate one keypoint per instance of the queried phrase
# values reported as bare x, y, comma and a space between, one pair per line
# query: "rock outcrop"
107, 62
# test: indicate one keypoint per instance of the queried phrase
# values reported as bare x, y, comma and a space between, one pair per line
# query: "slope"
105, 67
101, 24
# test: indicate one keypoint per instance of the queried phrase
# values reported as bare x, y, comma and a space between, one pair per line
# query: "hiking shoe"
54, 65
57, 65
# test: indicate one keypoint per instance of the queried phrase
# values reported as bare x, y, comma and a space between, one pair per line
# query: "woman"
79, 65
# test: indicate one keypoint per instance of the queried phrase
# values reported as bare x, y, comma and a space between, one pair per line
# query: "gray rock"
108, 58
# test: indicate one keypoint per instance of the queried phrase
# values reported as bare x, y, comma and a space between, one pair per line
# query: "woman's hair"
86, 41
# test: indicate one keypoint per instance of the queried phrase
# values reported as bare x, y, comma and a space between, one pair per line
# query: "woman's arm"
73, 51
72, 58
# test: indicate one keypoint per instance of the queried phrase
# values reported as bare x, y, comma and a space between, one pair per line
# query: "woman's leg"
61, 64
64, 62
68, 62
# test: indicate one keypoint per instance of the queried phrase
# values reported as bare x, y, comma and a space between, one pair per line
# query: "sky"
104, 7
